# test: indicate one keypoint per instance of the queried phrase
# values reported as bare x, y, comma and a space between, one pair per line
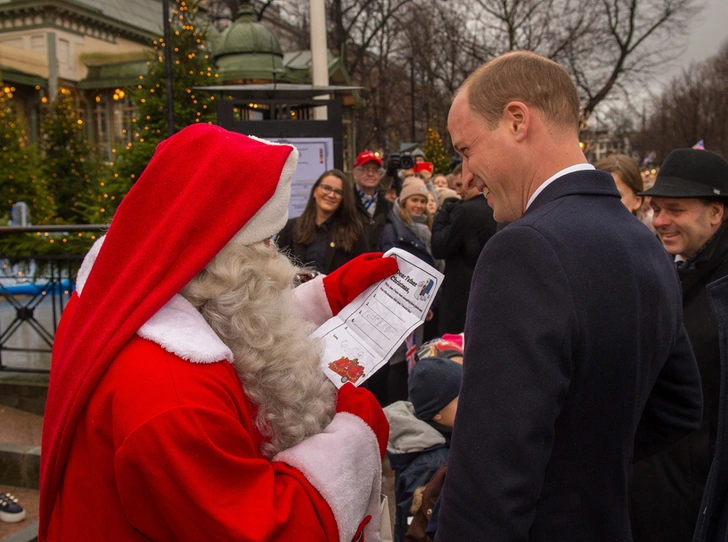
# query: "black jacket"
373, 225
335, 256
577, 360
666, 489
460, 230
713, 517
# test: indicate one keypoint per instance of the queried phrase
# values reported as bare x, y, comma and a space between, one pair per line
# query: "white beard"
245, 294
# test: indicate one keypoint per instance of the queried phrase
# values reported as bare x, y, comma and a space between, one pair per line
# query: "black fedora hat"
691, 173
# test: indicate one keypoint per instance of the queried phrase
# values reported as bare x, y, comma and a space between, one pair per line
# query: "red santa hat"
203, 187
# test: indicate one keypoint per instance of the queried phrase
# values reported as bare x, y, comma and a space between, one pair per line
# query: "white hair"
245, 294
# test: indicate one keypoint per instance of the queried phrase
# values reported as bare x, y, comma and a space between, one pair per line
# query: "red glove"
348, 281
361, 403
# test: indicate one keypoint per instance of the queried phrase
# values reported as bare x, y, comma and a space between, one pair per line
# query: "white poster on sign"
315, 155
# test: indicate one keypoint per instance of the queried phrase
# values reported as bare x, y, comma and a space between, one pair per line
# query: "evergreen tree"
69, 166
19, 180
191, 67
435, 152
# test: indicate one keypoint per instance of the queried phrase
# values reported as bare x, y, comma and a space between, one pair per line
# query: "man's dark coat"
460, 230
666, 489
576, 361
712, 523
372, 225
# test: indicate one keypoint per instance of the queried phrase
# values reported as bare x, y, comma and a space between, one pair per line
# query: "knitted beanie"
412, 186
433, 384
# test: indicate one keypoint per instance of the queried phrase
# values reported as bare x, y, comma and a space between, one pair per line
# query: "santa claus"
186, 400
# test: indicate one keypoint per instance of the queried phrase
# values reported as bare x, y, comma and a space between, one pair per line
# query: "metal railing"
34, 290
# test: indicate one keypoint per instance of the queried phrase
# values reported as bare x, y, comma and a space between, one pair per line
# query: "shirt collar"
565, 171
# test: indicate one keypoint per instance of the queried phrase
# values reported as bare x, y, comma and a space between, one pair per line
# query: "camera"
406, 161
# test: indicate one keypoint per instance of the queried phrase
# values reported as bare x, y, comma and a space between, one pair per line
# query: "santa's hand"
348, 281
362, 403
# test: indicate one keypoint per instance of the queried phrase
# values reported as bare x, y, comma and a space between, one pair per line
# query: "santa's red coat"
147, 432
166, 450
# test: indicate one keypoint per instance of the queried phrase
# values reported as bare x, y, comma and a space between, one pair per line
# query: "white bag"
385, 527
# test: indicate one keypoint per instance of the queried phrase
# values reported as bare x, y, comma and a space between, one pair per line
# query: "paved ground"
20, 427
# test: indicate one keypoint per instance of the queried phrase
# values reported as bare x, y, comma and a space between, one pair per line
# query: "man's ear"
437, 417
717, 212
518, 117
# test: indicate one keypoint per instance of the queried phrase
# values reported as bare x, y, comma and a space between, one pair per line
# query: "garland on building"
191, 68
19, 180
435, 152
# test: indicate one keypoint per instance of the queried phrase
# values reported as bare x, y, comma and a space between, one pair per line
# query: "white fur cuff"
311, 301
343, 464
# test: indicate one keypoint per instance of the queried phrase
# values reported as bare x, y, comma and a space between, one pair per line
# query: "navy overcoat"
576, 363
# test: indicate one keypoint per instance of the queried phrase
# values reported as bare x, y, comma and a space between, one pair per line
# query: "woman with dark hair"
327, 234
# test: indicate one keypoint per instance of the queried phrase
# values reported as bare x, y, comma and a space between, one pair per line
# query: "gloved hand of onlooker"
393, 165
363, 404
348, 281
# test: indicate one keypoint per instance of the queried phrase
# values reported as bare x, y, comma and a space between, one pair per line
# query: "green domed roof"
247, 49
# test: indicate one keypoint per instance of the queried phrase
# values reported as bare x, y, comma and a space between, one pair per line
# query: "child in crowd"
420, 429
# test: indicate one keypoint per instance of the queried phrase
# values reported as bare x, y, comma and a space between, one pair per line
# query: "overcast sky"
709, 31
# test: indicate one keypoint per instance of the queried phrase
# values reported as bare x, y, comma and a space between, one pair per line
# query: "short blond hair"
525, 77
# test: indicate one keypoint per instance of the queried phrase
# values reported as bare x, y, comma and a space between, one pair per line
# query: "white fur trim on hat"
271, 218
343, 464
88, 263
177, 327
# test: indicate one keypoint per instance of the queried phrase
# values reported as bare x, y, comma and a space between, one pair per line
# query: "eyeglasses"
369, 170
326, 189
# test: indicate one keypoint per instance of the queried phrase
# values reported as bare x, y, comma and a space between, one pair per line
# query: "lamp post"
319, 56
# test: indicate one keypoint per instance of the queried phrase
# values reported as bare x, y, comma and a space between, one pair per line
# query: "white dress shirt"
570, 169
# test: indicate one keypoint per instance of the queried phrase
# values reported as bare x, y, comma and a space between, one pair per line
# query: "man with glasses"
371, 209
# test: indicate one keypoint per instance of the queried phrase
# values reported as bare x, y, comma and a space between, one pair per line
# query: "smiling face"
416, 205
328, 194
489, 163
685, 224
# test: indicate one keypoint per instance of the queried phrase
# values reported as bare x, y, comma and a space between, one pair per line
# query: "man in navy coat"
576, 358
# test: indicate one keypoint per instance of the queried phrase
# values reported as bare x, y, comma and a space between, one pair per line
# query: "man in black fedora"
688, 200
